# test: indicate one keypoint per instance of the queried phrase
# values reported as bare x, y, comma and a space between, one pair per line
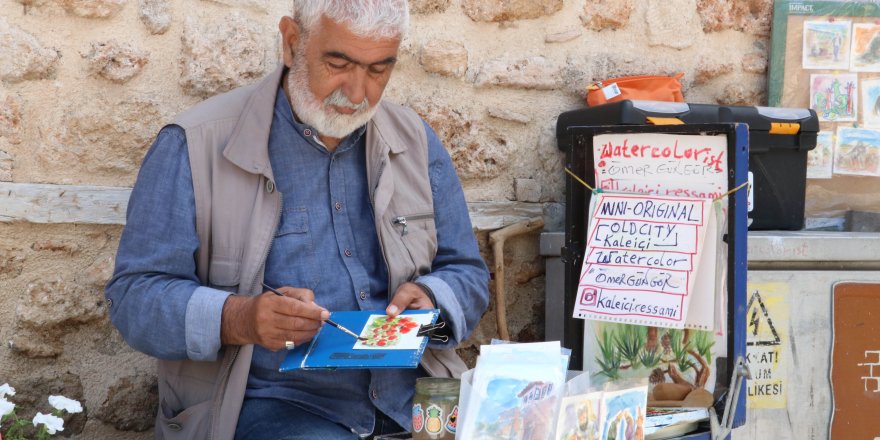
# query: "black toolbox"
779, 139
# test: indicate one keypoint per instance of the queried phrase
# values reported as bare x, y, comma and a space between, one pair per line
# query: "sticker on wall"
826, 44
820, 160
857, 152
865, 55
834, 97
766, 324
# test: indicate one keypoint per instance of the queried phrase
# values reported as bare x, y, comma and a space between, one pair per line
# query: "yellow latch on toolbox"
664, 121
785, 128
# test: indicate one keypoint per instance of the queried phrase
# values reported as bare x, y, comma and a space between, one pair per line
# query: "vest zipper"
402, 221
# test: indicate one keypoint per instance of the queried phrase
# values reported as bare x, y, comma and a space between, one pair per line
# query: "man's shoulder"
217, 108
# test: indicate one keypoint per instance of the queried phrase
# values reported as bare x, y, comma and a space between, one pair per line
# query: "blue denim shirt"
326, 241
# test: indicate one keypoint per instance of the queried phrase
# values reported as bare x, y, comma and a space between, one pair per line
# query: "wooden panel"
855, 361
46, 203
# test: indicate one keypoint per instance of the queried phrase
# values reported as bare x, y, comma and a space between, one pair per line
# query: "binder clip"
431, 331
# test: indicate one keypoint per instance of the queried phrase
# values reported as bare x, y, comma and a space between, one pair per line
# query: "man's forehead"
334, 36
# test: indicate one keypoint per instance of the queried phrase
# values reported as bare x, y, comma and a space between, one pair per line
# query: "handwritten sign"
641, 258
662, 164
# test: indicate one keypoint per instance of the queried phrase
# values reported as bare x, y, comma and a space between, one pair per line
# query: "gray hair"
365, 18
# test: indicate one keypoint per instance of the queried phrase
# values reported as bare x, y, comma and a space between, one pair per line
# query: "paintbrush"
328, 321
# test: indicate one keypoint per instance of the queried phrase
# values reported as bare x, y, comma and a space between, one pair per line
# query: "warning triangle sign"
760, 330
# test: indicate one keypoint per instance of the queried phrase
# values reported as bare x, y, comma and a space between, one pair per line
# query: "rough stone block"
99, 272
755, 62
10, 118
709, 70
221, 56
478, 151
155, 15
561, 37
447, 58
531, 73
742, 94
22, 57
53, 303
32, 394
131, 403
256, 5
104, 138
750, 16
509, 115
494, 10
11, 262
93, 8
33, 344
114, 61
527, 190
672, 23
428, 6
5, 166
606, 14
56, 246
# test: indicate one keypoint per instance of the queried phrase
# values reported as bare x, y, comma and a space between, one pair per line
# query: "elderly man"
307, 182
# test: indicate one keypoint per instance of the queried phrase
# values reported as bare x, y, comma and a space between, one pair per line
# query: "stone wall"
86, 84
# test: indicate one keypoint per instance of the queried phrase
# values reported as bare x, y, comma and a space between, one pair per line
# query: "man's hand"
269, 320
409, 296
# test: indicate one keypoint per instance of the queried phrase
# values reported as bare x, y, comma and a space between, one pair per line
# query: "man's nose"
356, 85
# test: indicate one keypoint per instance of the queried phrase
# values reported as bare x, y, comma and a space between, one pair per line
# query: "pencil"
328, 321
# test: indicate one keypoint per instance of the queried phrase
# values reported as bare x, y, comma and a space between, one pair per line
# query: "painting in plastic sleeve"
826, 44
834, 97
857, 152
820, 160
865, 55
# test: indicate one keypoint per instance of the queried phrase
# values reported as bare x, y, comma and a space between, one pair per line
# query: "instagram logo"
589, 296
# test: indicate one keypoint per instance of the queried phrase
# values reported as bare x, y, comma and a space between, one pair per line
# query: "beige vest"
237, 213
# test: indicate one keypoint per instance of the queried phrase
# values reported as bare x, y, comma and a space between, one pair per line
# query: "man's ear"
290, 35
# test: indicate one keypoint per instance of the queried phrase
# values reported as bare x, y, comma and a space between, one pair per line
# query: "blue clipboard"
331, 348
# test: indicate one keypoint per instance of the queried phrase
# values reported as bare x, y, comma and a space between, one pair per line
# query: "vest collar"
248, 147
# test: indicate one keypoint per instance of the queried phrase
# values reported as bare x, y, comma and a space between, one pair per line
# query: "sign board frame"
579, 159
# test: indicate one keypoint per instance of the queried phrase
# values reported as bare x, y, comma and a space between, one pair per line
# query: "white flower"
65, 404
6, 390
53, 424
6, 407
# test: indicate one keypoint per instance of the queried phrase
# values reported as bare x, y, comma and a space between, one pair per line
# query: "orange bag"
642, 87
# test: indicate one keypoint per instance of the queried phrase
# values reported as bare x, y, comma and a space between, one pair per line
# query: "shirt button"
307, 132
363, 295
374, 394
348, 252
339, 206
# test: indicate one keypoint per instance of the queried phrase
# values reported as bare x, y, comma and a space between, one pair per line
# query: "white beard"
321, 115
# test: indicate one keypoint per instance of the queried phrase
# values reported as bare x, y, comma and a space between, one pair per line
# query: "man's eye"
338, 66
379, 69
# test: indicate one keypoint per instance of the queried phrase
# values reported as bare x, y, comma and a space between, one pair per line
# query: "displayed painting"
865, 55
834, 97
871, 103
820, 160
624, 417
581, 418
857, 152
826, 44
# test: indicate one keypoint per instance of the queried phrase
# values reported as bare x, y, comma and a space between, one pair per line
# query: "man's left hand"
409, 296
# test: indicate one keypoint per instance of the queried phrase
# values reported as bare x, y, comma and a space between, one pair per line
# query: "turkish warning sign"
766, 322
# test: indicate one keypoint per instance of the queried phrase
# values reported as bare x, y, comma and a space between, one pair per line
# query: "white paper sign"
643, 255
662, 164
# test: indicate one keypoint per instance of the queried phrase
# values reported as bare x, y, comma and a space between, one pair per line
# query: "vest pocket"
224, 272
418, 235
